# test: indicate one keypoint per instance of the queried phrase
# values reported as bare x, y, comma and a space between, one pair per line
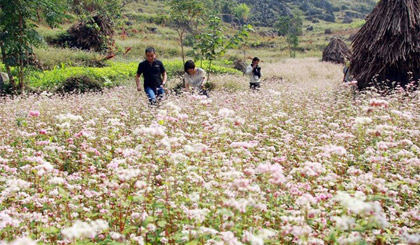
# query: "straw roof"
336, 51
387, 47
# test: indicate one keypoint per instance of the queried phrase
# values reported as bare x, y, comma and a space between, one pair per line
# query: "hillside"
266, 12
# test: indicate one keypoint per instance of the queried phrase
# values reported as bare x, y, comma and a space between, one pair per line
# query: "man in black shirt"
154, 74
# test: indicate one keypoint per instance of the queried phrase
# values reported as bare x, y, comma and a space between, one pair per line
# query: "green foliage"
293, 42
212, 44
88, 8
18, 19
183, 16
283, 25
291, 27
242, 12
111, 75
80, 84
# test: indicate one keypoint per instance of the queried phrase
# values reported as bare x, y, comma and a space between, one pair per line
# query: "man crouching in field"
154, 74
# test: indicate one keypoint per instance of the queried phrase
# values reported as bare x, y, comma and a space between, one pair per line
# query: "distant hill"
266, 12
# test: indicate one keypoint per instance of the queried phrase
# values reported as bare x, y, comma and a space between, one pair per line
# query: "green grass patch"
112, 75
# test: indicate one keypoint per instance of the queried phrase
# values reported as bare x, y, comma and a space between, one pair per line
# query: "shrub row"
112, 75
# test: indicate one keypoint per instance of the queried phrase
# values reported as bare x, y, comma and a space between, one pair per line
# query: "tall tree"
242, 12
183, 16
211, 43
291, 27
18, 20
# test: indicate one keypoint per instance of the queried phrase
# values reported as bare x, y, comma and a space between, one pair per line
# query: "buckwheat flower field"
303, 161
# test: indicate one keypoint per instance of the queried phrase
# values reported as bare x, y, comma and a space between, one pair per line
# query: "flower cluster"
304, 161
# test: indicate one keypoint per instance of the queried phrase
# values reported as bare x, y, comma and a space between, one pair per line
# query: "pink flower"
378, 103
34, 113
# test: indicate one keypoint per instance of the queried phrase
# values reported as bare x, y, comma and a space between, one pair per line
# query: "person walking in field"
154, 74
194, 78
254, 72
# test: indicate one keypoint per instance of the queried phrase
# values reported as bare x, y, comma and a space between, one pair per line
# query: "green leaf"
162, 223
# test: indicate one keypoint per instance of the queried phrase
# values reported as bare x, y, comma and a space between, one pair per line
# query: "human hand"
139, 89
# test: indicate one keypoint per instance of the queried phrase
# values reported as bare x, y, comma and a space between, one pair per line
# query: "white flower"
252, 239
65, 125
57, 181
116, 236
153, 130
411, 238
127, 174
7, 220
229, 238
115, 163
198, 215
140, 184
306, 200
151, 227
82, 229
23, 241
196, 148
177, 158
245, 145
226, 113
360, 121
194, 197
165, 143
345, 223
378, 103
68, 117
336, 150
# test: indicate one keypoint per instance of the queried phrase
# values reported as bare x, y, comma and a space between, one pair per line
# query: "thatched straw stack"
95, 34
387, 48
336, 51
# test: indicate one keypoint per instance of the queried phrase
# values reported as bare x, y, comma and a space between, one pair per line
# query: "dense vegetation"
92, 31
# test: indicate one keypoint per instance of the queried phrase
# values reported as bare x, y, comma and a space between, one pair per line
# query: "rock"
152, 29
4, 77
310, 28
347, 20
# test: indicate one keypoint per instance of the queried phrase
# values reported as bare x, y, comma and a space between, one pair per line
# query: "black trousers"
254, 85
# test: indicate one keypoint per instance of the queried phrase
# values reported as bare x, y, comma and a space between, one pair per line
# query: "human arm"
164, 74
138, 82
249, 70
186, 84
165, 78
138, 75
203, 82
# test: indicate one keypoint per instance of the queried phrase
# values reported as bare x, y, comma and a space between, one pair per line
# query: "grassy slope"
140, 17
142, 14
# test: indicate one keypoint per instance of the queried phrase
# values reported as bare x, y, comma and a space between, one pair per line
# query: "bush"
115, 72
80, 84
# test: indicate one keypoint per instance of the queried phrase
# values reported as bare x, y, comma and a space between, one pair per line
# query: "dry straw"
388, 46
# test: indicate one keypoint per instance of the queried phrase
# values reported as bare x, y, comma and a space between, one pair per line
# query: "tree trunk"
6, 64
208, 77
21, 64
182, 49
181, 42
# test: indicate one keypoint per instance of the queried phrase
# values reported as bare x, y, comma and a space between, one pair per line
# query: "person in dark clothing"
154, 74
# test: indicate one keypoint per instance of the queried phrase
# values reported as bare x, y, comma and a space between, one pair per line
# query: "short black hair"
189, 65
255, 59
150, 50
